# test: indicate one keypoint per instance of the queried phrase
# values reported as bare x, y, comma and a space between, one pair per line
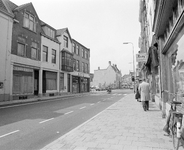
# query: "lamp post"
133, 61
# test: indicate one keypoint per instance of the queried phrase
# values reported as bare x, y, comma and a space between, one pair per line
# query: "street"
32, 126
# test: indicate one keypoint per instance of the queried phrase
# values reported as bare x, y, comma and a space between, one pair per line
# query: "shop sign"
141, 57
81, 74
22, 69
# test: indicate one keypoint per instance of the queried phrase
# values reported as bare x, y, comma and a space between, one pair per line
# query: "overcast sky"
100, 25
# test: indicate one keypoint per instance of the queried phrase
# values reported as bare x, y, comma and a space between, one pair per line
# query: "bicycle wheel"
176, 141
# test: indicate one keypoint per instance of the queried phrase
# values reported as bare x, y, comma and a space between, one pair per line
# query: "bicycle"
175, 125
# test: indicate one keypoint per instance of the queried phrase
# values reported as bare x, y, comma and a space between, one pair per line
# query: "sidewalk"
122, 126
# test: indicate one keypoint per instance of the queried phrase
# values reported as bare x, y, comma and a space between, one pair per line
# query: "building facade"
26, 52
81, 73
49, 70
167, 28
104, 78
38, 60
6, 24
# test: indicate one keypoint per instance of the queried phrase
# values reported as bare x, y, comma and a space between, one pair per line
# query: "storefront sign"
22, 69
141, 57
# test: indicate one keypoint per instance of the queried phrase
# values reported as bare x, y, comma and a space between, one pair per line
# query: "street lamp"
133, 61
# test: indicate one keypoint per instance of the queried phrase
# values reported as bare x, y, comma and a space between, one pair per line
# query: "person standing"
144, 89
137, 94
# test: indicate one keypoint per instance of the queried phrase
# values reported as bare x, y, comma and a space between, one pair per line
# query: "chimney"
110, 63
98, 68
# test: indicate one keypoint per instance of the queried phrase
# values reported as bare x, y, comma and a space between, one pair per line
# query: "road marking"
83, 107
69, 112
92, 104
46, 120
9, 133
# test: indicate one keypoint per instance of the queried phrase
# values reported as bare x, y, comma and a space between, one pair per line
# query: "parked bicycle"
174, 125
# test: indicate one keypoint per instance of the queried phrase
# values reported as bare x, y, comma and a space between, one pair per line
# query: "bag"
137, 95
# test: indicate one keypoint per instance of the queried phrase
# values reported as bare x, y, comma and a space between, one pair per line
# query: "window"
45, 53
74, 64
49, 32
21, 49
82, 52
77, 65
53, 56
77, 50
22, 83
65, 41
34, 50
67, 61
83, 67
29, 22
74, 48
86, 54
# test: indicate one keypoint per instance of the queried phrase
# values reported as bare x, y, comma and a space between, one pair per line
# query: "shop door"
36, 82
68, 83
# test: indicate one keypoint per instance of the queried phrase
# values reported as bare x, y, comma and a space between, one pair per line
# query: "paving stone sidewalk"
122, 126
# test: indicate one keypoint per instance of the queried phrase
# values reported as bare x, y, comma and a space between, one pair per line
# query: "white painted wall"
6, 24
104, 76
49, 66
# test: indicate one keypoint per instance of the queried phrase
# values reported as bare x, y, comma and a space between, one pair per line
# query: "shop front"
49, 83
25, 82
75, 84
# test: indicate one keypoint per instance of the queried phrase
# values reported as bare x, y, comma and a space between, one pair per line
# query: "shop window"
51, 81
22, 84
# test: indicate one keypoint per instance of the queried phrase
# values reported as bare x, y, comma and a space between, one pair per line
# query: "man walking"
144, 89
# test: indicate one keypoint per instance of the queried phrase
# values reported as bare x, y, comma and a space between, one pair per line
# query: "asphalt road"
33, 126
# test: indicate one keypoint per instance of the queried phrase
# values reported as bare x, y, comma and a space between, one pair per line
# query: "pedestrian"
144, 89
137, 94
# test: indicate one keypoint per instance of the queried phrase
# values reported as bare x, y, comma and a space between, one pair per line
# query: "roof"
22, 6
61, 32
4, 7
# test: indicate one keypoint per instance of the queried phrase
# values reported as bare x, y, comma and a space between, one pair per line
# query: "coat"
144, 89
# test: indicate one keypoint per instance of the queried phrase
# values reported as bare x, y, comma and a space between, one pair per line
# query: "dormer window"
49, 32
29, 22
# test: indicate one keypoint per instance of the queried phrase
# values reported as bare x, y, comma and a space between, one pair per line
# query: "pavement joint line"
46, 120
69, 112
9, 133
73, 130
83, 107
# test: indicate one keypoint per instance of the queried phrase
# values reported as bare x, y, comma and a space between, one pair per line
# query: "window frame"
54, 56
65, 39
29, 21
43, 52
23, 51
34, 46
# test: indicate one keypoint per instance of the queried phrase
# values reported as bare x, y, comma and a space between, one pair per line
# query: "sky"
100, 25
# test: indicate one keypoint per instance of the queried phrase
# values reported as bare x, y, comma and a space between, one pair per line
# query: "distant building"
107, 77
